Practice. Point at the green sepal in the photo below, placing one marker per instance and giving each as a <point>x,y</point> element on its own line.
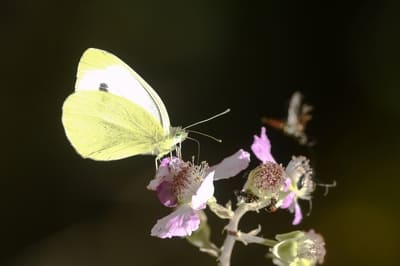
<point>285,250</point>
<point>219,210</point>
<point>291,235</point>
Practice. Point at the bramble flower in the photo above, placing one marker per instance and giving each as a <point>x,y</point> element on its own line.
<point>271,181</point>
<point>267,179</point>
<point>299,185</point>
<point>188,187</point>
<point>299,248</point>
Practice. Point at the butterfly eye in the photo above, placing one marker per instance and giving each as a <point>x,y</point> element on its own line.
<point>103,87</point>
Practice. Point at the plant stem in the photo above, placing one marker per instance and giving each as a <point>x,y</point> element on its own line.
<point>252,239</point>
<point>232,229</point>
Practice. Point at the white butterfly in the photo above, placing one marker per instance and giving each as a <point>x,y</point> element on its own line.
<point>114,113</point>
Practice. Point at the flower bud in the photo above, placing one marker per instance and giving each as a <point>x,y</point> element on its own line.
<point>299,248</point>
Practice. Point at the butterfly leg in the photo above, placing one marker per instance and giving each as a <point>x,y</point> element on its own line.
<point>155,161</point>
<point>178,150</point>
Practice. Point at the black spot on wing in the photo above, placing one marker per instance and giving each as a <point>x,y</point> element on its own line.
<point>103,87</point>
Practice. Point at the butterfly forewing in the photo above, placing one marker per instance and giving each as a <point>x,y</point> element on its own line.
<point>101,70</point>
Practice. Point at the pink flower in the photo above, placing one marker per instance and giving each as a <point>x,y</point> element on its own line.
<point>188,187</point>
<point>293,184</point>
<point>266,180</point>
<point>299,184</point>
<point>184,220</point>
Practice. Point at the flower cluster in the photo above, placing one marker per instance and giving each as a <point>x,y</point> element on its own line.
<point>270,180</point>
<point>188,188</point>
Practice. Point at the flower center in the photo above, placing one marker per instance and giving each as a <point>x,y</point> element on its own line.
<point>268,177</point>
<point>188,179</point>
<point>180,180</point>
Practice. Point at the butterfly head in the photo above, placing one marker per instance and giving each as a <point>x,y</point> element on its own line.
<point>170,142</point>
<point>178,135</point>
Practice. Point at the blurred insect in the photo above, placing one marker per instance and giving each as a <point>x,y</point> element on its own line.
<point>271,207</point>
<point>297,119</point>
<point>246,196</point>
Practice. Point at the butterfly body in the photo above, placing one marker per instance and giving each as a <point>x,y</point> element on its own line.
<point>114,113</point>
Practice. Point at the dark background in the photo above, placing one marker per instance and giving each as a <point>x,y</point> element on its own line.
<point>201,57</point>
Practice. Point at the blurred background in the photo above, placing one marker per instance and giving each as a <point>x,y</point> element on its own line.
<point>201,57</point>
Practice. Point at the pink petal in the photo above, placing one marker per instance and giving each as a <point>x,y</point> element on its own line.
<point>261,147</point>
<point>154,183</point>
<point>164,172</point>
<point>204,192</point>
<point>232,165</point>
<point>166,195</point>
<point>298,216</point>
<point>165,161</point>
<point>182,222</point>
<point>288,182</point>
<point>289,200</point>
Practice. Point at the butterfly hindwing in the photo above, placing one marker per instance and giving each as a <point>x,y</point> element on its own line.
<point>104,126</point>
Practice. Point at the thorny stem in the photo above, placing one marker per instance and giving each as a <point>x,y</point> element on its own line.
<point>232,229</point>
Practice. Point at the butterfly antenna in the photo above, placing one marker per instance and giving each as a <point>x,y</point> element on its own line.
<point>156,163</point>
<point>208,119</point>
<point>204,134</point>
<point>198,147</point>
<point>178,150</point>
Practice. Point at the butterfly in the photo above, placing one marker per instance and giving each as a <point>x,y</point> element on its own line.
<point>114,113</point>
<point>297,119</point>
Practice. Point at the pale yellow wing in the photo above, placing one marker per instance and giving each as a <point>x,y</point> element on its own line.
<point>104,126</point>
<point>101,70</point>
